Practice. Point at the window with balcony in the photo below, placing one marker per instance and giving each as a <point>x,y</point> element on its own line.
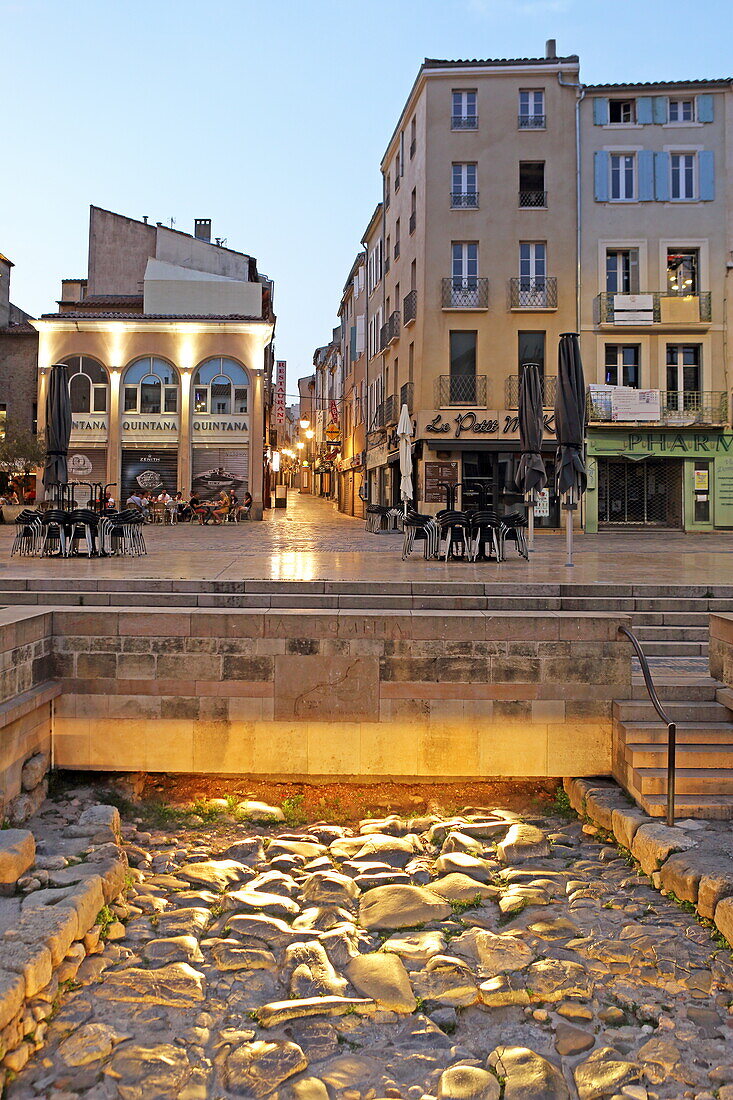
<point>532,273</point>
<point>531,349</point>
<point>621,111</point>
<point>464,193</point>
<point>683,177</point>
<point>681,110</point>
<point>622,270</point>
<point>532,191</point>
<point>462,378</point>
<point>683,265</point>
<point>464,284</point>
<point>683,369</point>
<point>622,167</point>
<point>622,365</point>
<point>463,113</point>
<point>532,109</point>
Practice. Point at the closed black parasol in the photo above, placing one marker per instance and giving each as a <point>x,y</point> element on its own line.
<point>531,474</point>
<point>58,429</point>
<point>570,428</point>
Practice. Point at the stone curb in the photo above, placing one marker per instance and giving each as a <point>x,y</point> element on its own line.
<point>56,931</point>
<point>677,861</point>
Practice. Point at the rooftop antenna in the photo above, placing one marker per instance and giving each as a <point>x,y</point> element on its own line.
<point>173,222</point>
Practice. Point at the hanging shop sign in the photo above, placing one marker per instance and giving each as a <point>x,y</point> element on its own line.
<point>475,424</point>
<point>89,427</point>
<point>437,475</point>
<point>682,444</point>
<point>218,429</point>
<point>376,456</point>
<point>280,372</point>
<point>153,427</point>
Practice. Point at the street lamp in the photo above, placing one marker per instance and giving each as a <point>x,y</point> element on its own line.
<point>309,434</point>
<point>305,423</point>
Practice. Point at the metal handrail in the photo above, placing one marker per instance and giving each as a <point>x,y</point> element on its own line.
<point>671,726</point>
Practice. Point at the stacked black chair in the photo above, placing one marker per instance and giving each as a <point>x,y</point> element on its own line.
<point>420,527</point>
<point>455,530</point>
<point>514,525</point>
<point>28,533</point>
<point>56,532</point>
<point>84,524</point>
<point>486,529</point>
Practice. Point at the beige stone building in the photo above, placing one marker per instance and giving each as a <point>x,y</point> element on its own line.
<point>168,340</point>
<point>351,462</point>
<point>655,257</point>
<point>18,359</point>
<point>472,271</point>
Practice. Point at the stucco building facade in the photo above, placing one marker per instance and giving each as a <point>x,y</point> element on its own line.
<point>18,359</point>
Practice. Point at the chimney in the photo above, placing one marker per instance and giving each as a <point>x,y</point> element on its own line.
<point>551,49</point>
<point>145,219</point>
<point>202,229</point>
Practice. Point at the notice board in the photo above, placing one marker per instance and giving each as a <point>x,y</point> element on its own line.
<point>435,472</point>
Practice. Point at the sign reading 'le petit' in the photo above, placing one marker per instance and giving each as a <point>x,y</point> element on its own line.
<point>472,424</point>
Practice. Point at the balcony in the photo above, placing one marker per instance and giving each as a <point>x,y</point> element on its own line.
<point>677,408</point>
<point>533,199</point>
<point>653,307</point>
<point>409,307</point>
<point>468,293</point>
<point>390,330</point>
<point>412,222</point>
<point>511,392</point>
<point>461,389</point>
<point>407,395</point>
<point>464,200</point>
<point>533,293</point>
<point>391,410</point>
<point>531,122</point>
<point>464,122</point>
<point>377,418</point>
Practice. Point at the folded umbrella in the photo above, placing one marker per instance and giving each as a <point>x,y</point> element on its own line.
<point>531,474</point>
<point>570,412</point>
<point>58,428</point>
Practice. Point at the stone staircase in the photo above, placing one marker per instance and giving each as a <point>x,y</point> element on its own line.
<point>703,711</point>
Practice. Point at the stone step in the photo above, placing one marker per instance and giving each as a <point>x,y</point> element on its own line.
<point>676,649</point>
<point>646,755</point>
<point>706,781</point>
<point>642,710</point>
<point>690,805</point>
<point>680,633</point>
<point>671,618</point>
<point>679,687</point>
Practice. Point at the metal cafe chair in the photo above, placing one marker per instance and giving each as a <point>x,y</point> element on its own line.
<point>28,534</point>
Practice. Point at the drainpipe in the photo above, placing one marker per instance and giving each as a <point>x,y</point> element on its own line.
<point>580,96</point>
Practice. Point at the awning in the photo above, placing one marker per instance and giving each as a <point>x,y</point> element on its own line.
<point>510,446</point>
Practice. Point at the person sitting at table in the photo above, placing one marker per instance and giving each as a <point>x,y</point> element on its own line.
<point>221,511</point>
<point>245,506</point>
<point>141,501</point>
<point>179,505</point>
<point>164,497</point>
<point>108,504</point>
<point>198,508</point>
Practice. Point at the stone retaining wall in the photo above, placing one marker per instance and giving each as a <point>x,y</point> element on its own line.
<point>688,862</point>
<point>26,694</point>
<point>349,693</point>
<point>721,648</point>
<point>55,928</point>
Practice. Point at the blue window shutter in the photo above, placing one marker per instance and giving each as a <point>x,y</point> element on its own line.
<point>661,177</point>
<point>706,161</point>
<point>644,109</point>
<point>601,176</point>
<point>661,109</point>
<point>704,108</point>
<point>646,175</point>
<point>600,111</point>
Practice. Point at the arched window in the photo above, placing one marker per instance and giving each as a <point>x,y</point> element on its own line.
<point>88,384</point>
<point>220,387</point>
<point>151,386</point>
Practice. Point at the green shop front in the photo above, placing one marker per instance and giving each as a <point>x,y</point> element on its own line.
<point>659,477</point>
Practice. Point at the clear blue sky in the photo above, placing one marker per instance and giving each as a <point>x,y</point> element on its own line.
<point>269,117</point>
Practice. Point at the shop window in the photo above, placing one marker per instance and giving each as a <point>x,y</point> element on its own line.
<point>622,365</point>
<point>150,387</point>
<point>221,387</point>
<point>88,384</point>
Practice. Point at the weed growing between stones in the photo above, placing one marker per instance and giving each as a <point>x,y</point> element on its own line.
<point>459,907</point>
<point>293,809</point>
<point>105,917</point>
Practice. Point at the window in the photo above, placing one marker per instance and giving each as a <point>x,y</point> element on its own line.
<point>464,263</point>
<point>463,186</point>
<point>3,419</point>
<point>374,266</point>
<point>622,365</point>
<point>375,326</point>
<point>683,371</point>
<point>531,349</point>
<point>220,387</point>
<point>683,176</point>
<point>151,387</point>
<point>622,271</point>
<point>397,173</point>
<point>397,239</point>
<point>532,183</point>
<point>464,116</point>
<point>463,368</point>
<point>681,110</point>
<point>532,109</point>
<point>623,176</point>
<point>621,111</point>
<point>532,265</point>
<point>88,385</point>
<point>413,210</point>
<point>413,137</point>
<point>386,191</point>
<point>683,265</point>
<point>410,361</point>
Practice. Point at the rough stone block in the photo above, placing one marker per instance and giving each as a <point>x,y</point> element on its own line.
<point>523,842</point>
<point>34,770</point>
<point>724,918</point>
<point>12,993</point>
<point>681,874</point>
<point>600,802</point>
<point>33,961</point>
<point>17,853</point>
<point>653,844</point>
<point>624,824</point>
<point>53,926</point>
<point>715,884</point>
<point>102,817</point>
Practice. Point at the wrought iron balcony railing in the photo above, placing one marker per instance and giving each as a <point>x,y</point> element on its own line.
<point>461,389</point>
<point>464,122</point>
<point>533,198</point>
<point>539,292</point>
<point>390,330</point>
<point>531,122</point>
<point>469,293</point>
<point>407,394</point>
<point>409,307</point>
<point>511,392</point>
<point>464,200</point>
<point>684,408</point>
<point>653,307</point>
<point>391,410</point>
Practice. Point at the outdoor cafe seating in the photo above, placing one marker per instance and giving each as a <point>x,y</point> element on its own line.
<point>66,533</point>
